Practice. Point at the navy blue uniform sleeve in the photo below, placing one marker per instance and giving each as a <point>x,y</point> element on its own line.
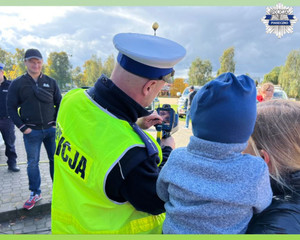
<point>13,104</point>
<point>166,151</point>
<point>134,178</point>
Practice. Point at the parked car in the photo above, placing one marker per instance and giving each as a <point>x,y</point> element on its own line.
<point>155,104</point>
<point>181,110</point>
<point>279,94</point>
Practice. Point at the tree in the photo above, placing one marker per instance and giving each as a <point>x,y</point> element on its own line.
<point>12,74</point>
<point>178,86</point>
<point>272,76</point>
<point>6,58</point>
<point>227,61</point>
<point>92,70</point>
<point>200,72</point>
<point>59,68</point>
<point>109,65</point>
<point>77,77</point>
<point>289,77</point>
<point>18,59</point>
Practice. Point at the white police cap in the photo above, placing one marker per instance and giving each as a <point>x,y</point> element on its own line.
<point>147,55</point>
<point>2,65</point>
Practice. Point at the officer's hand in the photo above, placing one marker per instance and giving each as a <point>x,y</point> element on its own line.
<point>27,131</point>
<point>168,142</point>
<point>149,121</point>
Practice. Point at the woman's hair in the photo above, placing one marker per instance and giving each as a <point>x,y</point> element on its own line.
<point>265,86</point>
<point>277,131</point>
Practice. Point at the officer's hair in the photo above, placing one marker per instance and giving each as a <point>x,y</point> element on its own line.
<point>277,131</point>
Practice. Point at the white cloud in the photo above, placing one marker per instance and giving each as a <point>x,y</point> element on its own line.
<point>205,32</point>
<point>27,18</point>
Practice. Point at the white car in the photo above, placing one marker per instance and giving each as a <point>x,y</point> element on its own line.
<point>181,110</point>
<point>279,94</point>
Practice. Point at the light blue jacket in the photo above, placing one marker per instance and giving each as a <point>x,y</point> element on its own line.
<point>211,188</point>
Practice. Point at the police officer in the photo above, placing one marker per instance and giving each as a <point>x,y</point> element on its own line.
<point>106,166</point>
<point>7,127</point>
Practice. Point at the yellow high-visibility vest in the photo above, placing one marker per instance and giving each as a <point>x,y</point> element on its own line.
<point>89,142</point>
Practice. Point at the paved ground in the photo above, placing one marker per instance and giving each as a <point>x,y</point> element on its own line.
<point>14,190</point>
<point>37,224</point>
<point>168,100</point>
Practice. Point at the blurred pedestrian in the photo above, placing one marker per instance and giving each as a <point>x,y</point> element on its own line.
<point>7,127</point>
<point>38,98</point>
<point>188,105</point>
<point>266,92</point>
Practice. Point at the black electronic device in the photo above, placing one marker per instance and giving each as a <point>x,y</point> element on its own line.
<point>170,121</point>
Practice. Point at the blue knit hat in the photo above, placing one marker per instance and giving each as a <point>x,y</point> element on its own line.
<point>224,109</point>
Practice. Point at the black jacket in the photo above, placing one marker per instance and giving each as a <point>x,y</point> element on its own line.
<point>190,99</point>
<point>34,113</point>
<point>134,179</point>
<point>283,215</point>
<point>3,96</point>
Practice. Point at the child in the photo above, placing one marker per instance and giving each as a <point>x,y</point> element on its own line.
<point>210,187</point>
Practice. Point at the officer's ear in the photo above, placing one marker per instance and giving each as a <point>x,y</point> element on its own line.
<point>149,87</point>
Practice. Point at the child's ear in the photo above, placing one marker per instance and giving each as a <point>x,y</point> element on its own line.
<point>265,155</point>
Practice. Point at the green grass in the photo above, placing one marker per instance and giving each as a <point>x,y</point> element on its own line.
<point>175,106</point>
<point>182,119</point>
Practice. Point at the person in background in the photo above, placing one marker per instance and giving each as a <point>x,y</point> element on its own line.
<point>276,138</point>
<point>7,127</point>
<point>259,97</point>
<point>266,92</point>
<point>38,98</point>
<point>210,187</point>
<point>106,166</point>
<point>188,107</point>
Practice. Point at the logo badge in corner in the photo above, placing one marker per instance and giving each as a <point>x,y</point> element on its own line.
<point>279,20</point>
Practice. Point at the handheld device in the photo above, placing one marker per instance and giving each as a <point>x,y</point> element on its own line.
<point>169,124</point>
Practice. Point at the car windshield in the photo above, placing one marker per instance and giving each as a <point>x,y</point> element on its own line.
<point>186,92</point>
<point>280,94</point>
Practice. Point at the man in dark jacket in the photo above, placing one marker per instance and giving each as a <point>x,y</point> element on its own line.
<point>38,98</point>
<point>7,127</point>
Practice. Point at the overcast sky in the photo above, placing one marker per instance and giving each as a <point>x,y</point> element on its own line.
<point>204,31</point>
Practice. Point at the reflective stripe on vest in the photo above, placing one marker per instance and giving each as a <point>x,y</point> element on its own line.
<point>90,142</point>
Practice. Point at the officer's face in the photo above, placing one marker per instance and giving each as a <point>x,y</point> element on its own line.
<point>34,66</point>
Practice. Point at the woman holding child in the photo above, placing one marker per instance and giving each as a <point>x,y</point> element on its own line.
<point>276,138</point>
